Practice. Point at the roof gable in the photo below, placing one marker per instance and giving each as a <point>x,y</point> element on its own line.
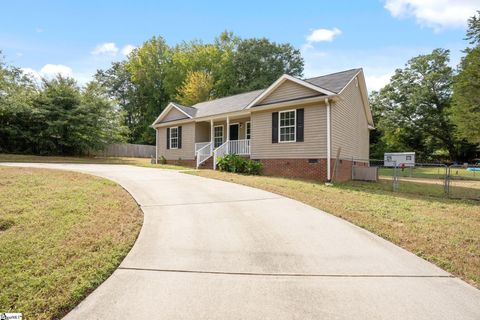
<point>289,90</point>
<point>313,89</point>
<point>174,110</point>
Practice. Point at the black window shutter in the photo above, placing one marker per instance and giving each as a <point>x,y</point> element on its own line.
<point>168,138</point>
<point>300,125</point>
<point>275,127</point>
<point>180,137</point>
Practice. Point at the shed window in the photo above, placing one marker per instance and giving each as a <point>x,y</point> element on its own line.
<point>409,158</point>
<point>287,126</point>
<point>174,138</point>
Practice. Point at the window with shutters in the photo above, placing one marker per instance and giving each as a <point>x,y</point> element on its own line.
<point>174,138</point>
<point>287,126</point>
<point>217,136</point>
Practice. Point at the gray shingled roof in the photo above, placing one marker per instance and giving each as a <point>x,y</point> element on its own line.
<point>226,104</point>
<point>334,82</point>
<point>188,110</point>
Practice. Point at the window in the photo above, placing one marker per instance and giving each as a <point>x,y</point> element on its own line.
<point>408,158</point>
<point>248,130</point>
<point>217,136</point>
<point>174,138</point>
<point>286,128</point>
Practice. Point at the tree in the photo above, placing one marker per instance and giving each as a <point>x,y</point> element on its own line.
<point>147,66</point>
<point>116,83</point>
<point>17,115</point>
<point>414,108</point>
<point>466,99</point>
<point>197,87</point>
<point>257,63</point>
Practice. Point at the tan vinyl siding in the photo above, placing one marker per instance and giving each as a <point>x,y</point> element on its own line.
<point>349,125</point>
<point>187,152</point>
<point>315,135</point>
<point>287,91</point>
<point>174,114</point>
<point>202,132</point>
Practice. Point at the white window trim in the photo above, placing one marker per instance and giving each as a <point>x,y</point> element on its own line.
<point>294,126</point>
<point>246,132</point>
<point>223,134</point>
<point>170,137</point>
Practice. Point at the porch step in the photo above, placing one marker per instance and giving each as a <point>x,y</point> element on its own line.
<point>208,164</point>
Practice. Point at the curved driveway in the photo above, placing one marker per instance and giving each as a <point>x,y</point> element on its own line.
<point>215,250</point>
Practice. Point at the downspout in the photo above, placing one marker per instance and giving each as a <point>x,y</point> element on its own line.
<point>156,146</point>
<point>329,147</point>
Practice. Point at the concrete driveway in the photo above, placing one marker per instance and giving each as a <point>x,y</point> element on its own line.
<point>214,250</point>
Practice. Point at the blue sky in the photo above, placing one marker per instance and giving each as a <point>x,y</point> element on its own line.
<point>76,38</point>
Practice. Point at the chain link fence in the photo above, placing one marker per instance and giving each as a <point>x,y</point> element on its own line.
<point>429,179</point>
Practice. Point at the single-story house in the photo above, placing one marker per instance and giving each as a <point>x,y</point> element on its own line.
<point>295,127</point>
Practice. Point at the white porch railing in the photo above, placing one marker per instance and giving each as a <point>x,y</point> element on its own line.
<point>240,147</point>
<point>219,152</point>
<point>203,153</point>
<point>200,145</point>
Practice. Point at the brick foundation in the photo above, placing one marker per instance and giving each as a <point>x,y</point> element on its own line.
<point>309,169</point>
<point>312,169</point>
<point>343,171</point>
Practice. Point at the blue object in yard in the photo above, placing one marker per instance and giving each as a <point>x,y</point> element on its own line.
<point>473,169</point>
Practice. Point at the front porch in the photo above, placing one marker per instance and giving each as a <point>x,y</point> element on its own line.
<point>220,137</point>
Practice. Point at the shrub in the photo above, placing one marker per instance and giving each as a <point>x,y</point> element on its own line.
<point>235,163</point>
<point>162,160</point>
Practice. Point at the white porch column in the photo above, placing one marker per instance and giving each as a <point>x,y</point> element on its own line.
<point>329,141</point>
<point>211,135</point>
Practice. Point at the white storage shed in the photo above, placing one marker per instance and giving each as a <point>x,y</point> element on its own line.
<point>400,159</point>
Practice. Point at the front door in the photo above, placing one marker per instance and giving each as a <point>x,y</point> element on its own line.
<point>234,131</point>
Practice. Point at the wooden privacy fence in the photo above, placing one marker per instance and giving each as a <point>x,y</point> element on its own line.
<point>126,150</point>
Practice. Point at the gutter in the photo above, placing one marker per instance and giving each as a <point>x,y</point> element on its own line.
<point>329,147</point>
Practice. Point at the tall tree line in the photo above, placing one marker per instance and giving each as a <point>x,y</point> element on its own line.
<point>55,117</point>
<point>190,72</point>
<point>429,108</point>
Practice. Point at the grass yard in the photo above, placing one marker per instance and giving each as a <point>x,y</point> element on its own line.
<point>141,162</point>
<point>61,235</point>
<point>442,231</point>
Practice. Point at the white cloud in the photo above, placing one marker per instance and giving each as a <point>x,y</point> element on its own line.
<point>127,49</point>
<point>51,70</point>
<point>319,35</point>
<point>375,83</point>
<point>105,48</point>
<point>437,14</point>
<point>34,74</point>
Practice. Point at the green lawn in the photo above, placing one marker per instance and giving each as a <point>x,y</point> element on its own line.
<point>141,162</point>
<point>440,230</point>
<point>61,235</point>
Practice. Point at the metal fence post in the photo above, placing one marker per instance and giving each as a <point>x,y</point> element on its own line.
<point>447,181</point>
<point>395,178</point>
